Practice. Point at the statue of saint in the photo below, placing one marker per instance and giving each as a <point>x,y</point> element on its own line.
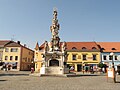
<point>64,46</point>
<point>46,46</point>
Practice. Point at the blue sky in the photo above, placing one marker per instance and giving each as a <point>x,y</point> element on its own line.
<point>29,21</point>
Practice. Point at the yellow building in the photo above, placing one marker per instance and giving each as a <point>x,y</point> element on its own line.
<point>80,54</point>
<point>2,45</point>
<point>38,57</point>
<point>83,55</point>
<point>17,56</point>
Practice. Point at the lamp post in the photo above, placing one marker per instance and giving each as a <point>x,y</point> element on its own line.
<point>114,77</point>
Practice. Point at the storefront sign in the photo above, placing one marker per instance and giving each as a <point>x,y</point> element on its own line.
<point>110,72</point>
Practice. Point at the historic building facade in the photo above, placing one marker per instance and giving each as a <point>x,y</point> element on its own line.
<point>17,57</point>
<point>38,57</point>
<point>2,45</point>
<point>79,55</point>
<point>82,55</point>
<point>106,57</point>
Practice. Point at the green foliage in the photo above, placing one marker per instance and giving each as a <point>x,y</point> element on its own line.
<point>101,65</point>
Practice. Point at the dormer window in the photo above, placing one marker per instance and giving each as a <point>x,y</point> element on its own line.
<point>84,48</point>
<point>113,49</point>
<point>102,49</point>
<point>74,48</point>
<point>93,47</point>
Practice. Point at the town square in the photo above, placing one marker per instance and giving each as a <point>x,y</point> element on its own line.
<point>22,81</point>
<point>44,46</point>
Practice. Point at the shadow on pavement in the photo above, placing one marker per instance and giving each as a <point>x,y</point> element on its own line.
<point>14,74</point>
<point>117,82</point>
<point>2,80</point>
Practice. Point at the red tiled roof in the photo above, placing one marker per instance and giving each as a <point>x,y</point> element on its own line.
<point>4,42</point>
<point>110,46</point>
<point>9,43</point>
<point>80,45</point>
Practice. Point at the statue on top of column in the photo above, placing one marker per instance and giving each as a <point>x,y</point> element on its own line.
<point>54,30</point>
<point>55,25</point>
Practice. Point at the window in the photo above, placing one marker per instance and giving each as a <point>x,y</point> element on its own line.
<point>94,57</point>
<point>74,48</point>
<point>110,57</point>
<point>102,48</point>
<point>36,65</point>
<point>84,57</point>
<point>113,49</point>
<point>6,49</point>
<point>11,57</point>
<point>28,59</point>
<point>73,57</point>
<point>14,49</point>
<point>16,57</point>
<point>116,57</point>
<point>83,48</point>
<point>93,47</point>
<point>104,57</point>
<point>6,57</point>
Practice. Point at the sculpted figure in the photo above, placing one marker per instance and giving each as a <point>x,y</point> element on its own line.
<point>64,46</point>
<point>46,46</point>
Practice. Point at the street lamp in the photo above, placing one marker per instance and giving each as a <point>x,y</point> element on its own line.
<point>114,77</point>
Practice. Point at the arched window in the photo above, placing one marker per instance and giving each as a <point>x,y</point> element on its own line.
<point>84,48</point>
<point>102,48</point>
<point>113,49</point>
<point>93,47</point>
<point>74,48</point>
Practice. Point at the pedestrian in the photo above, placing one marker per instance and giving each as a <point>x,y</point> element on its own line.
<point>32,70</point>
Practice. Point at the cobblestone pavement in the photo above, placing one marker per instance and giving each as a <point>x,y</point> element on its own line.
<point>22,81</point>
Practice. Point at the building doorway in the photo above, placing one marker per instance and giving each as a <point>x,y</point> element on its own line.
<point>54,62</point>
<point>79,67</point>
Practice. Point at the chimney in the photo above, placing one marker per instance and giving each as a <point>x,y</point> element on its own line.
<point>18,42</point>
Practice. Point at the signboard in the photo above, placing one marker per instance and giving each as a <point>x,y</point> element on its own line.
<point>110,72</point>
